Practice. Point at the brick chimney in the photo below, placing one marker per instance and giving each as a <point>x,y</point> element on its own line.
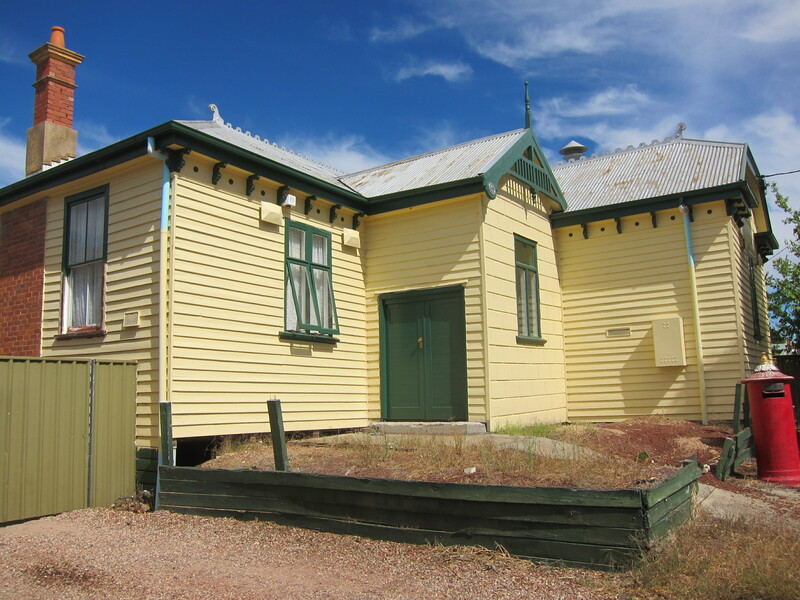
<point>52,138</point>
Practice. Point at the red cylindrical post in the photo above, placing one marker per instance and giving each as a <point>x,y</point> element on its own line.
<point>773,424</point>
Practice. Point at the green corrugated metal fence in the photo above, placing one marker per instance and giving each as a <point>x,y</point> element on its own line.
<point>67,432</point>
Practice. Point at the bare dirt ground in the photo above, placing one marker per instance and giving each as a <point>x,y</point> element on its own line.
<point>108,553</point>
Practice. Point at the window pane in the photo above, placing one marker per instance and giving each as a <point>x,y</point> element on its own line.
<point>291,308</point>
<point>322,286</point>
<point>319,249</point>
<point>76,252</point>
<point>522,313</point>
<point>533,307</point>
<point>297,243</point>
<point>524,253</point>
<point>302,290</point>
<point>95,221</point>
<point>85,285</point>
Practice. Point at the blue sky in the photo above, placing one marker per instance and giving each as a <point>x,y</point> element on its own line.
<point>357,83</point>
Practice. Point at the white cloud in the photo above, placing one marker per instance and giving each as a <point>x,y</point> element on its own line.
<point>610,101</point>
<point>198,107</point>
<point>451,72</point>
<point>522,31</point>
<point>614,117</point>
<point>12,156</point>
<point>771,136</point>
<point>777,21</point>
<point>347,153</point>
<point>403,30</point>
<point>435,138</point>
<point>92,136</point>
<point>7,53</point>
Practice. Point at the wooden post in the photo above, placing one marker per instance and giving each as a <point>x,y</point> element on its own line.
<point>737,409</point>
<point>165,450</point>
<point>165,454</point>
<point>278,436</point>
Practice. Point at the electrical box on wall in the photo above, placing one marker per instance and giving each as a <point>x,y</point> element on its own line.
<point>668,342</point>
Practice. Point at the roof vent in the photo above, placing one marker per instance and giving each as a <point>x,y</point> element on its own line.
<point>573,151</point>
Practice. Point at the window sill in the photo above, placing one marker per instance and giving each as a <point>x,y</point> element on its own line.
<point>80,334</point>
<point>308,337</point>
<point>531,341</point>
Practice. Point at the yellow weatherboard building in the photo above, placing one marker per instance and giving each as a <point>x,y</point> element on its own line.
<point>473,283</point>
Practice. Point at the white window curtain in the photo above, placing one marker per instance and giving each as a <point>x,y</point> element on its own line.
<point>84,303</point>
<point>85,265</point>
<point>522,325</point>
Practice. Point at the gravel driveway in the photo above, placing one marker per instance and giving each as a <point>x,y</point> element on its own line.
<point>106,553</point>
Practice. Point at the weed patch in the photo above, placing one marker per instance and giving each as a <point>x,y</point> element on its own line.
<point>545,430</point>
<point>724,560</point>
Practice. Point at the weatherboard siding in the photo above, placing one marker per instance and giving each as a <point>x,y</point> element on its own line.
<point>717,293</point>
<point>611,281</point>
<point>131,281</point>
<point>429,246</point>
<point>526,382</point>
<point>741,243</point>
<point>227,358</point>
<point>614,280</point>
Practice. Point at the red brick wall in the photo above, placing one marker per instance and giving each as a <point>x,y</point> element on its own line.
<point>22,279</point>
<point>55,92</point>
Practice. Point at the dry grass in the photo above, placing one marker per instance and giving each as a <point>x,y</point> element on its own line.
<point>705,559</point>
<point>723,560</point>
<point>468,459</point>
<point>231,444</point>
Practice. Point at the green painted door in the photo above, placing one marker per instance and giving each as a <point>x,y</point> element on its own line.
<point>424,356</point>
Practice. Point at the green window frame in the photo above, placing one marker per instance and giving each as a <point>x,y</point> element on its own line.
<point>527,287</point>
<point>84,258</point>
<point>309,303</point>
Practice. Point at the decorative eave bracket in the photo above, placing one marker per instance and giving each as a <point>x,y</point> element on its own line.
<point>175,161</point>
<point>251,185</point>
<point>309,204</point>
<point>216,172</point>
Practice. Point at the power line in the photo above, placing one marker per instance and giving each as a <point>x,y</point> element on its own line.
<point>785,173</point>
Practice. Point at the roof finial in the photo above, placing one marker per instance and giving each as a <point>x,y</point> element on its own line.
<point>527,108</point>
<point>215,116</point>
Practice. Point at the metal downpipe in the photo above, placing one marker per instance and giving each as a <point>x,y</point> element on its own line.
<point>698,338</point>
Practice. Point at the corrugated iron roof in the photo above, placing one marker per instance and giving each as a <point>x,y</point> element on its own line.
<point>674,166</point>
<point>455,163</point>
<point>225,132</point>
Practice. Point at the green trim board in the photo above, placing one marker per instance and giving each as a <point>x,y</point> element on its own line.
<point>171,134</point>
<point>599,529</point>
<point>426,195</point>
<point>533,169</point>
<point>317,338</point>
<point>174,135</point>
<point>236,156</point>
<point>737,191</point>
